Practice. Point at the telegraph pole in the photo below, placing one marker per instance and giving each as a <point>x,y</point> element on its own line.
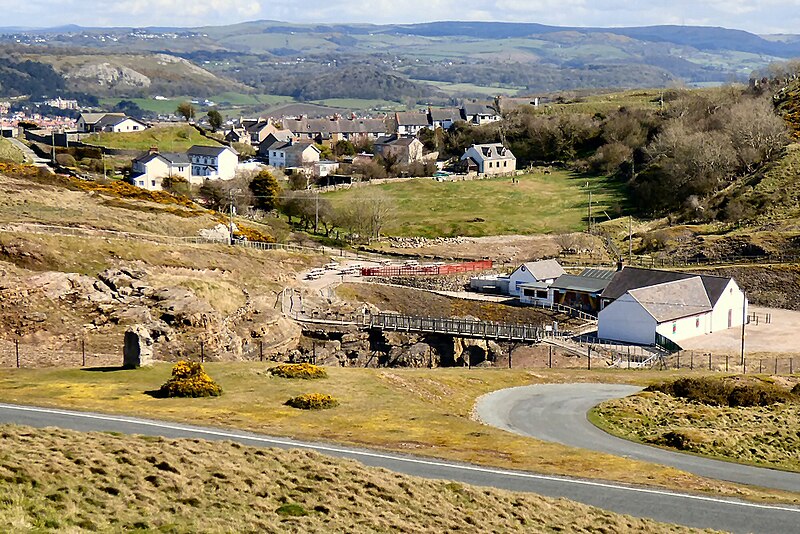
<point>230,218</point>
<point>316,210</point>
<point>744,321</point>
<point>630,238</point>
<point>589,224</point>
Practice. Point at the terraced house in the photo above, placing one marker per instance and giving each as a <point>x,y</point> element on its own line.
<point>212,162</point>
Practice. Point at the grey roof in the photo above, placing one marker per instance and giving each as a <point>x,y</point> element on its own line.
<point>394,140</point>
<point>534,285</point>
<point>412,118</point>
<point>544,269</point>
<point>636,277</point>
<point>94,118</point>
<point>298,148</point>
<point>494,151</point>
<point>298,109</point>
<point>478,109</point>
<point>113,120</point>
<point>335,126</point>
<point>606,274</point>
<point>170,157</point>
<point>202,150</point>
<point>584,284</point>
<point>673,300</point>
<point>447,114</point>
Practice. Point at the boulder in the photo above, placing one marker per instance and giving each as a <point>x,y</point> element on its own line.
<point>138,349</point>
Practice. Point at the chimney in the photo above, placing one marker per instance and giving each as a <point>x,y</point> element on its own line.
<point>153,150</point>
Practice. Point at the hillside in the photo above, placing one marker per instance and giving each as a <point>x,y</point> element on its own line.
<point>58,480</point>
<point>277,57</point>
<point>168,139</point>
<point>120,74</point>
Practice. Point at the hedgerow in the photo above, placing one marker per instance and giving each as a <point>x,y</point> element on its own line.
<point>298,370</point>
<point>312,401</point>
<point>189,379</point>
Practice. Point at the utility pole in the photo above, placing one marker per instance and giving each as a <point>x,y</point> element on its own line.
<point>316,210</point>
<point>589,222</point>
<point>630,238</point>
<point>230,218</point>
<point>53,143</point>
<point>744,320</point>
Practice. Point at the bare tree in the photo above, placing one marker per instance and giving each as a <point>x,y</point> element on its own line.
<point>756,131</point>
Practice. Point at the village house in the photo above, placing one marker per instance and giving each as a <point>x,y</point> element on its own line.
<point>404,150</point>
<point>212,162</point>
<point>479,113</point>
<point>108,122</point>
<point>443,118</point>
<point>273,140</point>
<point>543,272</point>
<point>489,159</point>
<point>295,155</point>
<point>409,123</point>
<point>643,306</point>
<point>251,131</point>
<point>331,130</point>
<point>149,170</point>
<point>581,291</point>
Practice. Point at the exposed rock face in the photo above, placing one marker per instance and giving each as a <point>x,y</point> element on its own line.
<point>220,232</point>
<point>109,75</point>
<point>138,349</point>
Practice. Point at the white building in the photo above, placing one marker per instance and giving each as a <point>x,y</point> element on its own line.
<point>676,306</point>
<point>212,162</point>
<point>148,171</point>
<point>542,271</point>
<point>294,155</point>
<point>489,159</point>
<point>108,122</point>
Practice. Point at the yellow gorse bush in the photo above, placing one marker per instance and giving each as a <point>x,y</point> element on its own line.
<point>312,401</point>
<point>298,370</point>
<point>189,379</point>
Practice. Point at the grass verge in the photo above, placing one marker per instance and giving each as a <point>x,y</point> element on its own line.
<point>58,480</point>
<point>414,411</point>
<point>167,139</point>
<point>764,436</point>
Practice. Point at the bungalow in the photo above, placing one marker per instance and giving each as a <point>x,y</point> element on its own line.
<point>443,118</point>
<point>149,170</point>
<point>489,159</point>
<point>409,123</point>
<point>405,150</point>
<point>479,113</point>
<point>108,122</point>
<point>642,304</point>
<point>212,162</point>
<point>542,271</point>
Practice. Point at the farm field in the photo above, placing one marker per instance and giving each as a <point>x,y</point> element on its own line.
<point>70,481</point>
<point>538,203</point>
<point>167,139</point>
<point>361,104</point>
<point>469,88</point>
<point>441,399</point>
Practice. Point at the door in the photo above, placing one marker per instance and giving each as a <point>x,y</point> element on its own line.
<point>730,318</point>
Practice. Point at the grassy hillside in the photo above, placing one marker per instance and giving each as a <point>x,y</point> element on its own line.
<point>9,152</point>
<point>538,203</point>
<point>167,139</point>
<point>58,480</point>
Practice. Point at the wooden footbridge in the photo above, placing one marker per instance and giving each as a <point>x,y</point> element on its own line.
<point>468,328</point>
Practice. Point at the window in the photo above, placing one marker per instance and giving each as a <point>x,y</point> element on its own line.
<point>152,183</point>
<point>541,294</point>
<point>674,327</point>
<point>697,323</point>
<point>141,183</point>
<point>505,164</point>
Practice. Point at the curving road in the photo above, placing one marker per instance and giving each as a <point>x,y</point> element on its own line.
<point>557,412</point>
<point>673,507</point>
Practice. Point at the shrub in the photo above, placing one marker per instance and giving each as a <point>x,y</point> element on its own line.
<point>796,389</point>
<point>65,160</point>
<point>291,510</point>
<point>298,370</point>
<point>719,392</point>
<point>189,379</point>
<point>312,401</point>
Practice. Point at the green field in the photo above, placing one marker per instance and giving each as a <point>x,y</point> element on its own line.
<point>538,203</point>
<point>461,88</point>
<point>168,139</point>
<point>359,103</point>
<point>9,152</point>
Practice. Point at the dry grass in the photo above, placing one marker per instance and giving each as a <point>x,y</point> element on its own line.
<point>419,411</point>
<point>57,480</point>
<point>763,436</point>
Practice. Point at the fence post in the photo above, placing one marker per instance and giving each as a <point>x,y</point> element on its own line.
<point>760,362</point>
<point>261,349</point>
<point>510,350</point>
<point>744,366</point>
<point>83,352</point>
<point>776,365</point>
<point>709,361</point>
<point>679,360</point>
<point>16,350</point>
<point>550,359</point>
<point>691,361</point>
<point>726,363</point>
<point>589,358</point>
<point>791,366</point>
<point>629,357</point>
<point>202,353</point>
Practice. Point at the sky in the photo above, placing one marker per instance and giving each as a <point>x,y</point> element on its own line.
<point>757,16</point>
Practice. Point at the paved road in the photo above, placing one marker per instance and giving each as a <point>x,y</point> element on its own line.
<point>673,507</point>
<point>557,412</point>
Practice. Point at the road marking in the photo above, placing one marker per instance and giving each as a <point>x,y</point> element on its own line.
<point>366,454</point>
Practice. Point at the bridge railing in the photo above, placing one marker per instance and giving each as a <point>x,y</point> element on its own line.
<point>453,326</point>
